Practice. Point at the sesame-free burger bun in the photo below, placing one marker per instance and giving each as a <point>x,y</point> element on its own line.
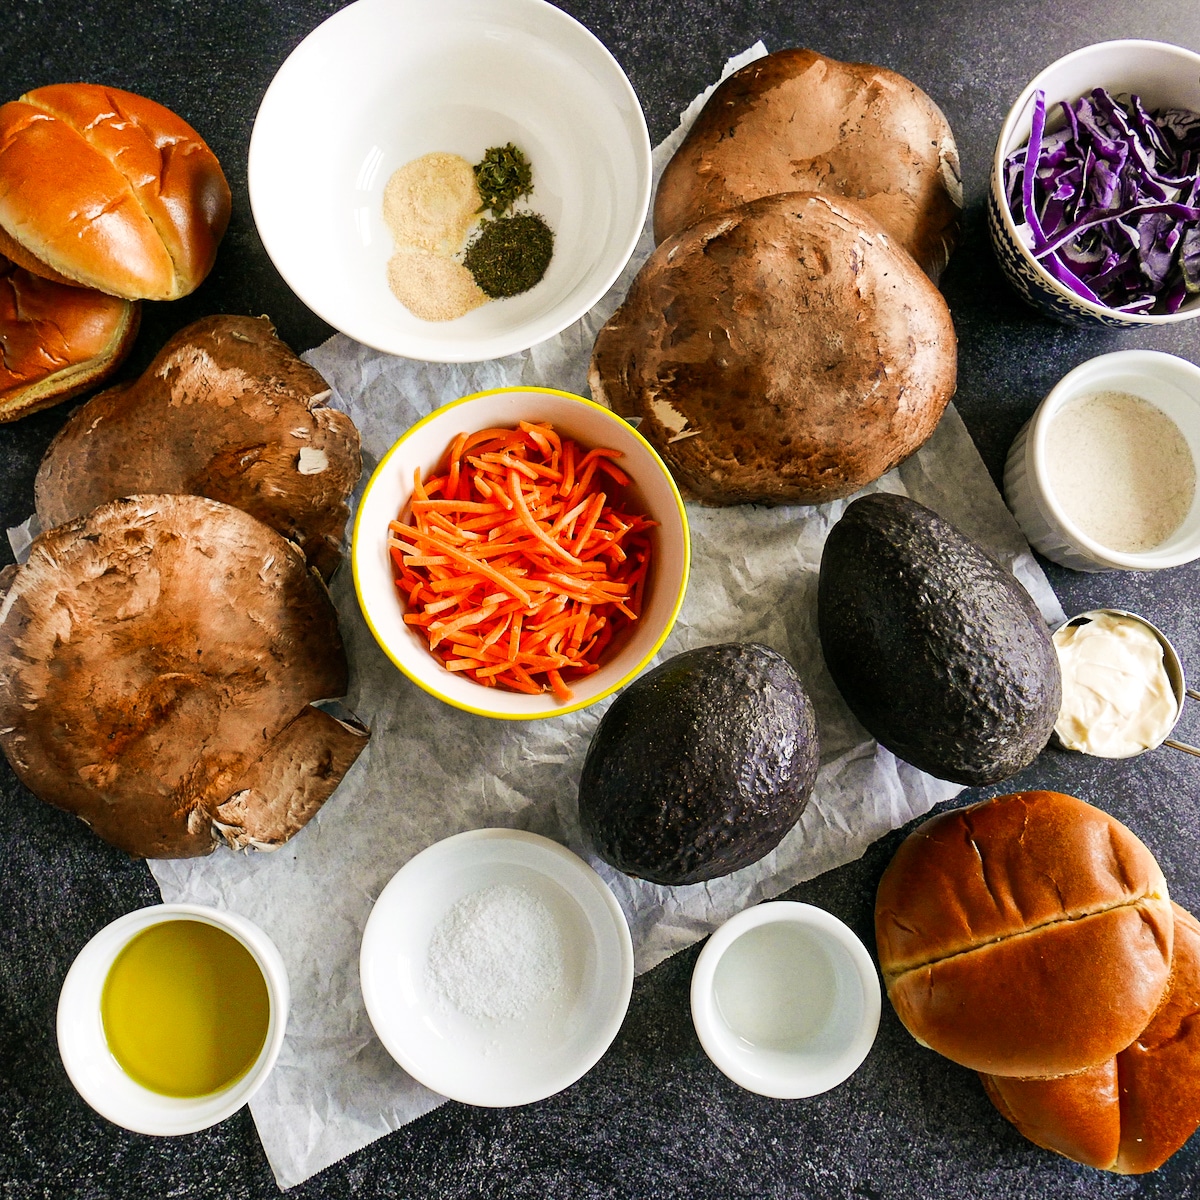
<point>108,190</point>
<point>57,341</point>
<point>1132,1112</point>
<point>1029,935</point>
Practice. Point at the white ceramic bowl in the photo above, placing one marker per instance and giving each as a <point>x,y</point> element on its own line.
<point>1172,385</point>
<point>98,1076</point>
<point>1165,76</point>
<point>384,81</point>
<point>785,1000</point>
<point>497,1062</point>
<point>652,491</point>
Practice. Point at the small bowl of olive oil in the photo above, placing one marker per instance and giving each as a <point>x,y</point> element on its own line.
<point>172,1017</point>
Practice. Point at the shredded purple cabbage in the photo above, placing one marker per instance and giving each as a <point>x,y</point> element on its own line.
<point>1110,203</point>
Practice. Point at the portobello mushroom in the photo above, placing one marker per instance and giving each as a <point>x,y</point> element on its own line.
<point>784,352</point>
<point>227,411</point>
<point>159,660</point>
<point>798,121</point>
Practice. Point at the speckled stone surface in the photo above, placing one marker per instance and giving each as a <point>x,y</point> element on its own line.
<point>653,1119</point>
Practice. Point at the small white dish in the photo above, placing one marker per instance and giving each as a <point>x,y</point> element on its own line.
<point>1170,384</point>
<point>89,1062</point>
<point>785,1000</point>
<point>651,491</point>
<point>382,82</point>
<point>1164,76</point>
<point>496,1062</point>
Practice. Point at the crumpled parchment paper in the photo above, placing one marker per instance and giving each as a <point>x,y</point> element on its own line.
<point>431,770</point>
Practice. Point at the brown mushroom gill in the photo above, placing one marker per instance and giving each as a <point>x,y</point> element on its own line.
<point>159,662</point>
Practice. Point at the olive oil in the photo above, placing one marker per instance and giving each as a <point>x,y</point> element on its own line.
<point>185,1008</point>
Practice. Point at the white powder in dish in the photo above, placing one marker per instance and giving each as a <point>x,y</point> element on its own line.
<point>432,286</point>
<point>495,954</point>
<point>1121,469</point>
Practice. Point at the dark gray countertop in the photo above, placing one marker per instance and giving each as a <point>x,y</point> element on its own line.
<point>654,1118</point>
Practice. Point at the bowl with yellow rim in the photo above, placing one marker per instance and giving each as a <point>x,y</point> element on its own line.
<point>423,451</point>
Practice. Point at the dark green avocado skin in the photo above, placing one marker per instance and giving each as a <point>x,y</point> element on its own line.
<point>700,766</point>
<point>936,648</point>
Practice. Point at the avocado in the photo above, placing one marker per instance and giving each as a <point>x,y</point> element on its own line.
<point>935,647</point>
<point>700,766</point>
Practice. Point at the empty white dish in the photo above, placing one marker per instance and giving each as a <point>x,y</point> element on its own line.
<point>785,1000</point>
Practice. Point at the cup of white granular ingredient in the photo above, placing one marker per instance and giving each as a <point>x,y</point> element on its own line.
<point>1103,477</point>
<point>496,967</point>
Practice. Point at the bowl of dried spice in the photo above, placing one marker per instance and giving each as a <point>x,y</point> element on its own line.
<point>521,553</point>
<point>449,180</point>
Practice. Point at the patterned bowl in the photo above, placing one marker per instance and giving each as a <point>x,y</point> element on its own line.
<point>1165,76</point>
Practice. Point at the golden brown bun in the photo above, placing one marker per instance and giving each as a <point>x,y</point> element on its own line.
<point>57,341</point>
<point>1075,1115</point>
<point>1131,1113</point>
<point>798,121</point>
<point>750,346</point>
<point>109,190</point>
<point>1028,935</point>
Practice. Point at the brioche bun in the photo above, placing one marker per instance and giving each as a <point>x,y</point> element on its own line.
<point>58,341</point>
<point>1131,1113</point>
<point>1029,935</point>
<point>106,189</point>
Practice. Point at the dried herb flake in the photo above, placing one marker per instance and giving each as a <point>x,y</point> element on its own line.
<point>508,256</point>
<point>503,177</point>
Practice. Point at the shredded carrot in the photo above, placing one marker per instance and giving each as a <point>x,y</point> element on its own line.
<point>521,572</point>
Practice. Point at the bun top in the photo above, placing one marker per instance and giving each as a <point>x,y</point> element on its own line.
<point>1002,868</point>
<point>1029,935</point>
<point>110,191</point>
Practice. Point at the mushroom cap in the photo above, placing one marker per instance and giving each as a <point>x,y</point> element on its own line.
<point>797,121</point>
<point>783,352</point>
<point>225,410</point>
<point>158,663</point>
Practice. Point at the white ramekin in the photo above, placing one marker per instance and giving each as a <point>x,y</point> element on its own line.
<point>1172,385</point>
<point>98,1076</point>
<point>849,1001</point>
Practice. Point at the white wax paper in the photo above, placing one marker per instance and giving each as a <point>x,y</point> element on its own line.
<point>431,770</point>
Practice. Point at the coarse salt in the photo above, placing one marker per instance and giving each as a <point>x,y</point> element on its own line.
<point>495,954</point>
